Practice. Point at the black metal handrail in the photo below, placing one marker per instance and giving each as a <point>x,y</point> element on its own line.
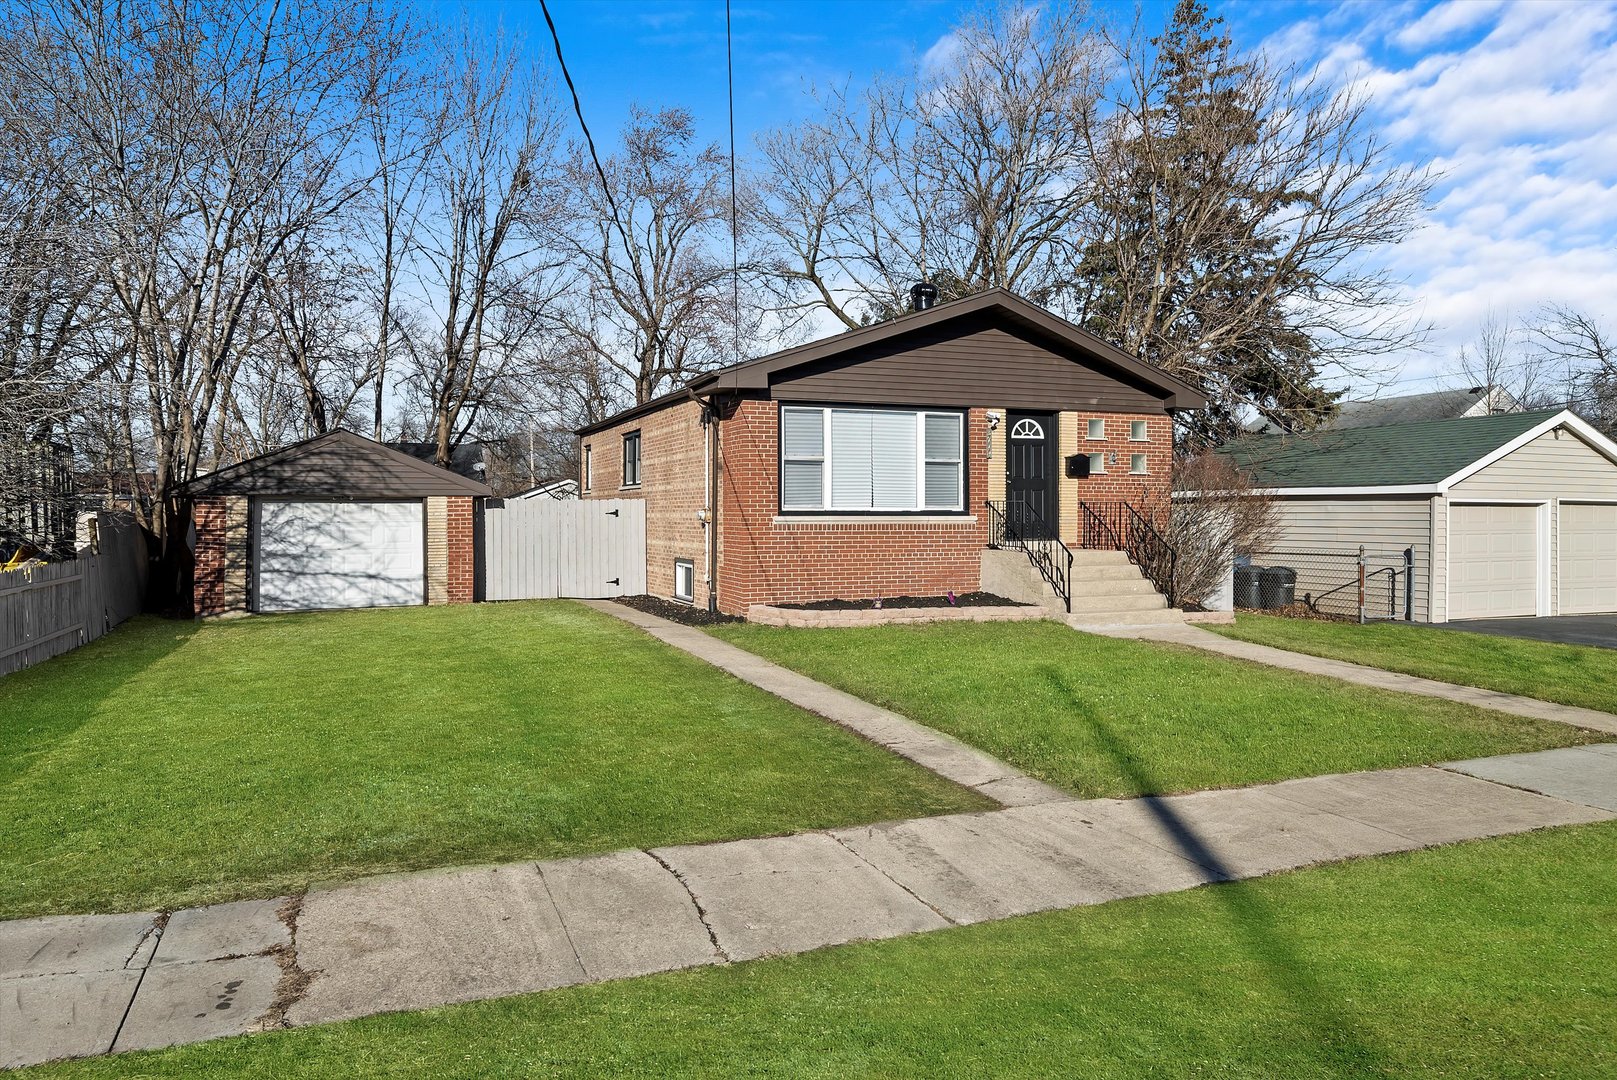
<point>1121,527</point>
<point>1020,526</point>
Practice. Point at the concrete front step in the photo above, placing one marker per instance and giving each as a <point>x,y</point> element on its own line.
<point>1116,585</point>
<point>1093,557</point>
<point>1147,601</point>
<point>1160,616</point>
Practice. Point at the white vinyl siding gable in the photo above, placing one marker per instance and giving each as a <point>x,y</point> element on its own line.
<point>871,460</point>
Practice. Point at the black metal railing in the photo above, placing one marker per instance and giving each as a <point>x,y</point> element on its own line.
<point>1018,525</point>
<point>1121,527</point>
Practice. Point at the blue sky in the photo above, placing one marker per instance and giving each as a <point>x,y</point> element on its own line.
<point>1515,103</point>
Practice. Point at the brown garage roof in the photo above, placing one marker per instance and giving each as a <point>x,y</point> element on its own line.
<point>337,465</point>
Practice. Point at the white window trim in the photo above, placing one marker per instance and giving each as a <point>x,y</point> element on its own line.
<point>690,565</point>
<point>1089,429</point>
<point>1097,462</point>
<point>1142,426</point>
<point>825,458</point>
<point>588,468</point>
<point>1145,465</point>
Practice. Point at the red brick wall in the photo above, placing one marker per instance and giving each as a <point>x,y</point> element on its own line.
<point>219,577</point>
<point>671,482</point>
<point>769,557</point>
<point>462,550</point>
<point>1148,493</point>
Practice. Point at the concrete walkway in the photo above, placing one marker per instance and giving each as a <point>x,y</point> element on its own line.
<point>83,985</point>
<point>1369,676</point>
<point>928,748</point>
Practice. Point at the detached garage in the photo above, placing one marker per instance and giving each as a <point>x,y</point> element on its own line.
<point>1508,515</point>
<point>338,521</point>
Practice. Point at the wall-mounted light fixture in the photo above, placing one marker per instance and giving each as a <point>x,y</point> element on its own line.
<point>993,426</point>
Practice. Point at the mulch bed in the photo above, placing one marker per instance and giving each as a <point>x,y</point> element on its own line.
<point>680,613</point>
<point>971,599</point>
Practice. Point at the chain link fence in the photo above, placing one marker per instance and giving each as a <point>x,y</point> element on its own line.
<point>1362,585</point>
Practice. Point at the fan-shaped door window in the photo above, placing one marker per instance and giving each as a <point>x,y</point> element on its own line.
<point>1027,429</point>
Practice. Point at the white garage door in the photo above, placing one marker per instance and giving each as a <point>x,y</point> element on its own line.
<point>1493,561</point>
<point>340,555</point>
<point>1588,558</point>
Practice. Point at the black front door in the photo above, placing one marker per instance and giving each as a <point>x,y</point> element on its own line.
<point>1030,474</point>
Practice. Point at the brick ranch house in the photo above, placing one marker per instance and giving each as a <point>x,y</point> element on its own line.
<point>336,521</point>
<point>873,463</point>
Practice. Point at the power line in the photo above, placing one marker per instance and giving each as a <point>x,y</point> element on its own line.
<point>735,243</point>
<point>578,110</point>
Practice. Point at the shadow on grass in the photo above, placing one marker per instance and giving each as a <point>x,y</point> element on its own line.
<point>1340,1044</point>
<point>44,704</point>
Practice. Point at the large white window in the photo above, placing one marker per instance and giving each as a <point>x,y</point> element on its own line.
<point>872,460</point>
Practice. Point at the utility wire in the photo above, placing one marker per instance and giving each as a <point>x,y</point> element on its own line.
<point>735,244</point>
<point>578,110</point>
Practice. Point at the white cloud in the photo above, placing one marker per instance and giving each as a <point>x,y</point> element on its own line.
<point>1515,104</point>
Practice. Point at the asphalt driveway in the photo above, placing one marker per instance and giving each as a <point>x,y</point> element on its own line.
<point>1598,630</point>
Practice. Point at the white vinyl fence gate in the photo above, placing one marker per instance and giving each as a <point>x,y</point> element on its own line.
<point>585,548</point>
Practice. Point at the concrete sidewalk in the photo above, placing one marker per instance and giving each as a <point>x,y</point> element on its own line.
<point>82,985</point>
<point>1532,708</point>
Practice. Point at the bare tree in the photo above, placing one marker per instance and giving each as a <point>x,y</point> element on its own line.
<point>654,303</point>
<point>1585,350</point>
<point>1499,360</point>
<point>1234,230</point>
<point>1216,514</point>
<point>485,276</point>
<point>970,171</point>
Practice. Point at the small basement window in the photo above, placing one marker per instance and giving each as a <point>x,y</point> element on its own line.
<point>631,459</point>
<point>684,580</point>
<point>1097,429</point>
<point>1137,431</point>
<point>1097,464</point>
<point>1137,464</point>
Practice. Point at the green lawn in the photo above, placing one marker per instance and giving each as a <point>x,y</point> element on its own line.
<point>1496,958</point>
<point>1107,717</point>
<point>1567,674</point>
<point>171,764</point>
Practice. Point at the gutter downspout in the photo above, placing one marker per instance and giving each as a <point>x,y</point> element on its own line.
<point>710,500</point>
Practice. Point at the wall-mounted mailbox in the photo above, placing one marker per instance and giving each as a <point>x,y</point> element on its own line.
<point>1077,466</point>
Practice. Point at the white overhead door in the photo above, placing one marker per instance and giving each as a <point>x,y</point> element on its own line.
<point>1493,561</point>
<point>340,555</point>
<point>1588,558</point>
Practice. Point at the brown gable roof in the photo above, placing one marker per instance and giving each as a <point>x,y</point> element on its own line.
<point>996,304</point>
<point>337,465</point>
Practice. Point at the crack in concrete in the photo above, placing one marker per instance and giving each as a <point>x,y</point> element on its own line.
<point>561,921</point>
<point>159,924</point>
<point>923,901</point>
<point>701,912</point>
<point>295,979</point>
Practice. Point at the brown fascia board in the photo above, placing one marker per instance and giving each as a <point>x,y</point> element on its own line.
<point>221,478</point>
<point>755,374</point>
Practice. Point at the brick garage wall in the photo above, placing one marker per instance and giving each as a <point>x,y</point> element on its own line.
<point>671,480</point>
<point>219,582</point>
<point>766,557</point>
<point>1148,493</point>
<point>451,550</point>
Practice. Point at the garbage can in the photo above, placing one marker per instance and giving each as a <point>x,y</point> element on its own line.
<point>1246,586</point>
<point>1277,587</point>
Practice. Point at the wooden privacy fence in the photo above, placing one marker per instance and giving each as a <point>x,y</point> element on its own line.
<point>587,548</point>
<point>55,607</point>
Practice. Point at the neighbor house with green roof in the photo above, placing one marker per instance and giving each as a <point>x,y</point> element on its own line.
<point>1513,514</point>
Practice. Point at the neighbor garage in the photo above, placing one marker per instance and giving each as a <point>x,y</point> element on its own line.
<point>338,521</point>
<point>1507,515</point>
